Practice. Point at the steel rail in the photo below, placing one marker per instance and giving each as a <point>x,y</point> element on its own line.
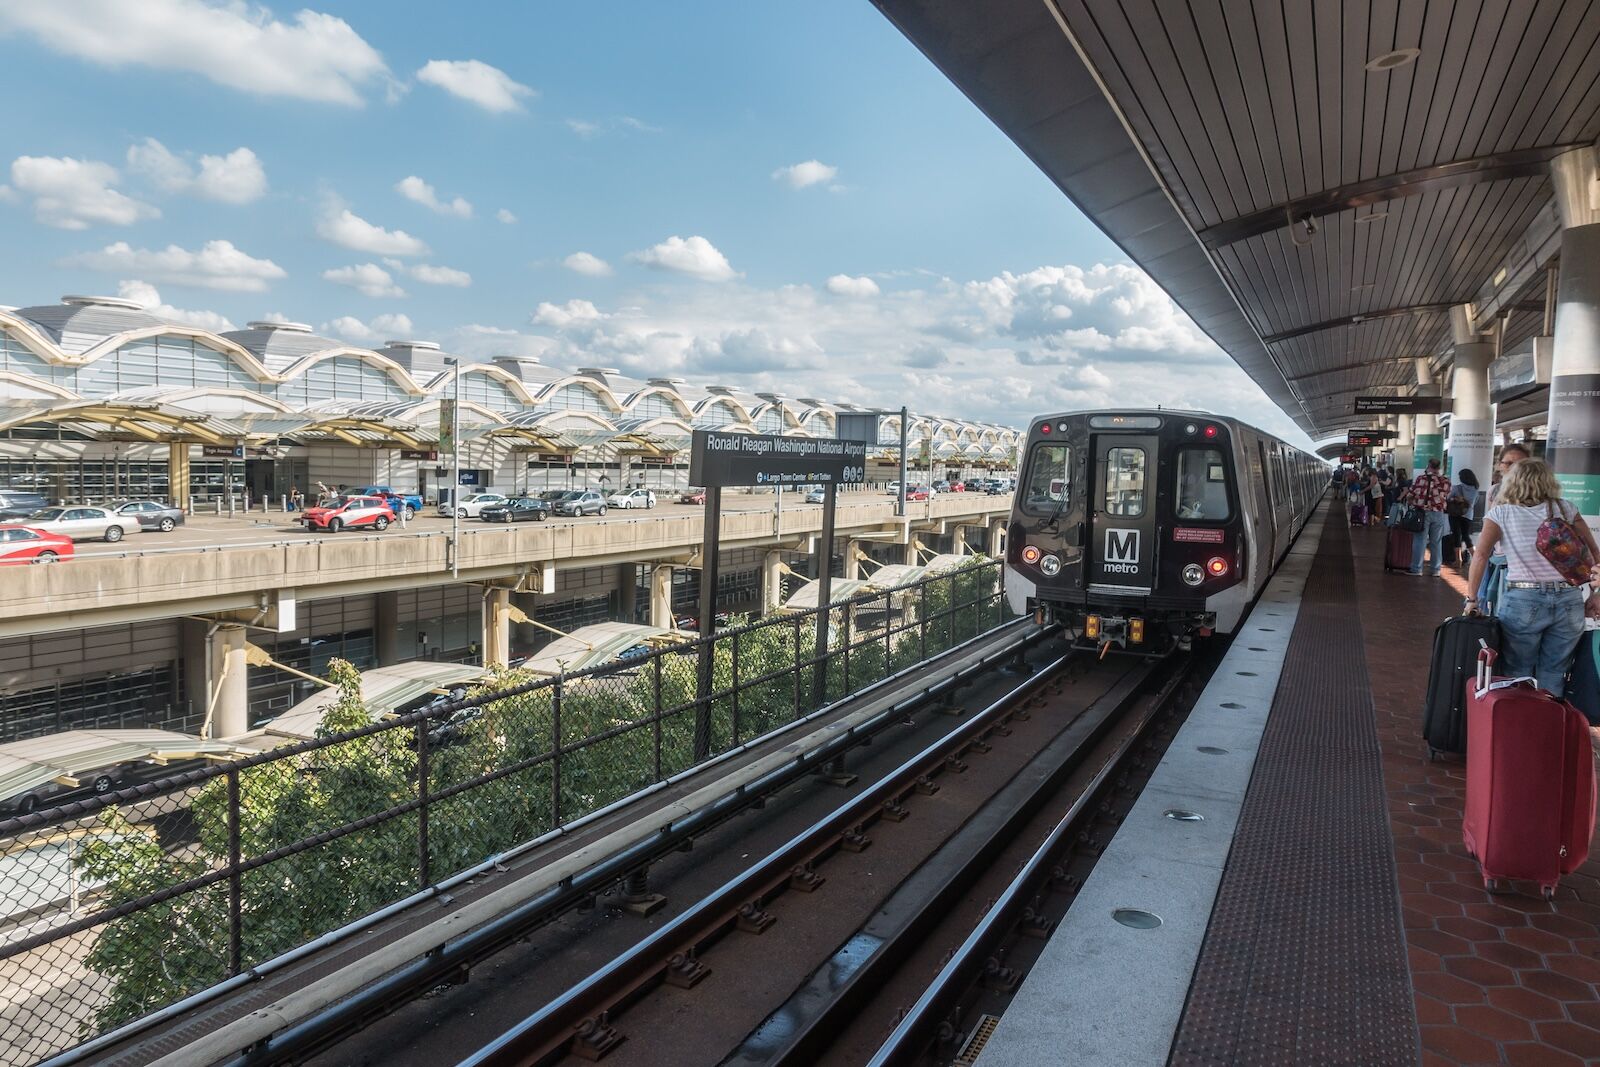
<point>915,1030</point>
<point>577,1012</point>
<point>451,957</point>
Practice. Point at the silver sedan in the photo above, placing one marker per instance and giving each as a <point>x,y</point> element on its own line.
<point>83,523</point>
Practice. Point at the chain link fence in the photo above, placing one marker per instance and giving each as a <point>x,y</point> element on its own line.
<point>124,904</point>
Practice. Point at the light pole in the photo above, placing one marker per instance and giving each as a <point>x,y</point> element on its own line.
<point>455,466</point>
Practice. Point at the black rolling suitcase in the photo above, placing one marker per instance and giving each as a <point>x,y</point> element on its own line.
<point>1454,664</point>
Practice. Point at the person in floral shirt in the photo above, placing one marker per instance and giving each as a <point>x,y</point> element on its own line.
<point>1428,493</point>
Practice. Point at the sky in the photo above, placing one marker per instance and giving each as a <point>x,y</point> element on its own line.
<point>783,198</point>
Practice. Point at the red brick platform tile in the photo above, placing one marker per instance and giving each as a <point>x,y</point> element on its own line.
<point>1494,1023</point>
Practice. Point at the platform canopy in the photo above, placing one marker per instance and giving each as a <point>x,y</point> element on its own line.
<point>1316,184</point>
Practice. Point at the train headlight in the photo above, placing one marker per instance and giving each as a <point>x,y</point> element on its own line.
<point>1050,565</point>
<point>1217,566</point>
<point>1030,554</point>
<point>1193,575</point>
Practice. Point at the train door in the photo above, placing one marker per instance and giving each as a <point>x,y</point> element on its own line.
<point>1122,531</point>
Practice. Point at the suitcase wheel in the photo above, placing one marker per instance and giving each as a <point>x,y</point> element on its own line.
<point>1496,886</point>
<point>1433,754</point>
<point>1548,892</point>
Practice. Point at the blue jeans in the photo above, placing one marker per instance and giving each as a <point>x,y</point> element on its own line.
<point>1432,538</point>
<point>1539,631</point>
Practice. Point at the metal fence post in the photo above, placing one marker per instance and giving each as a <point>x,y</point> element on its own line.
<point>235,879</point>
<point>424,790</point>
<point>888,614</point>
<point>655,685</point>
<point>844,627</point>
<point>922,622</point>
<point>555,754</point>
<point>736,688</point>
<point>797,711</point>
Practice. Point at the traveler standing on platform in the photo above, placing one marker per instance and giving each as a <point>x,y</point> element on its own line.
<point>1374,500</point>
<point>1540,612</point>
<point>1510,456</point>
<point>1463,498</point>
<point>1428,493</point>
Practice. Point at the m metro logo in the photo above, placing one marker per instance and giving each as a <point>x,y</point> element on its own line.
<point>1121,554</point>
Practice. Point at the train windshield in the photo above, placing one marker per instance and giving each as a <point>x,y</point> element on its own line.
<point>1124,482</point>
<point>1049,486</point>
<point>1202,489</point>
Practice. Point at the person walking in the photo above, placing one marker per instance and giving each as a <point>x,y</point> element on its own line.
<point>1428,493</point>
<point>1458,509</point>
<point>1541,613</point>
<point>1374,500</point>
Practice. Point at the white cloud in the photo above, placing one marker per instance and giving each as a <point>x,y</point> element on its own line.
<point>235,44</point>
<point>414,188</point>
<point>486,342</point>
<point>236,178</point>
<point>215,265</point>
<point>694,256</point>
<point>344,227</point>
<point>584,263</point>
<point>587,128</point>
<point>801,175</point>
<point>368,279</point>
<point>433,275</point>
<point>475,82</point>
<point>147,294</point>
<point>379,329</point>
<point>505,216</point>
<point>74,194</point>
<point>565,316</point>
<point>583,128</point>
<point>844,285</point>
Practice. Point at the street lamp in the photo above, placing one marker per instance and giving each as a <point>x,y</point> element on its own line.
<point>455,465</point>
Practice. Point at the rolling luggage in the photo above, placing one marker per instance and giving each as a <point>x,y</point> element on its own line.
<point>1583,679</point>
<point>1530,782</point>
<point>1454,664</point>
<point>1358,512</point>
<point>1397,552</point>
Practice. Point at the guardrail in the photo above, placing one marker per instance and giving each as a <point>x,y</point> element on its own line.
<point>183,883</point>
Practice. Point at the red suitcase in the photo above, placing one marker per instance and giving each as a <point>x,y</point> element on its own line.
<point>1530,782</point>
<point>1397,552</point>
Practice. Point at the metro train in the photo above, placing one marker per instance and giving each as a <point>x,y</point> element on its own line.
<point>1143,529</point>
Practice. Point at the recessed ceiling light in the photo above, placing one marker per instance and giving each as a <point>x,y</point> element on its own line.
<point>1500,276</point>
<point>1372,216</point>
<point>1390,60</point>
<point>1363,285</point>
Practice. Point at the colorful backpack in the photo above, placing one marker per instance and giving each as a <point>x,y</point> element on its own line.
<point>1560,543</point>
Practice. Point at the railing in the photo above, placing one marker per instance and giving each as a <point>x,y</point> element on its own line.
<point>127,903</point>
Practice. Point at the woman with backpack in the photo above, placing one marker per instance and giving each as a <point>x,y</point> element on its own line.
<point>1463,497</point>
<point>1550,554</point>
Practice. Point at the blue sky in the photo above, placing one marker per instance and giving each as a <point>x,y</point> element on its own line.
<point>914,256</point>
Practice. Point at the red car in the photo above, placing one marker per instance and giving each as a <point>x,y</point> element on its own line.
<point>917,492</point>
<point>692,496</point>
<point>23,544</point>
<point>351,512</point>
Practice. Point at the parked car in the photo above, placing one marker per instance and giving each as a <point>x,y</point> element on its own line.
<point>16,504</point>
<point>692,495</point>
<point>472,504</point>
<point>941,486</point>
<point>83,523</point>
<point>152,515</point>
<point>516,509</point>
<point>816,495</point>
<point>24,544</point>
<point>632,498</point>
<point>352,512</point>
<point>894,488</point>
<point>92,782</point>
<point>957,487</point>
<point>918,492</point>
<point>581,502</point>
<point>407,504</point>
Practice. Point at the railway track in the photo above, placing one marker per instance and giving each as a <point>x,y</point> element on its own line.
<point>1083,721</point>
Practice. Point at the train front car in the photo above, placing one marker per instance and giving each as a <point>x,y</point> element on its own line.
<point>1129,529</point>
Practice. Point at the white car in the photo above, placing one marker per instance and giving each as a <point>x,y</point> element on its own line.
<point>82,523</point>
<point>473,503</point>
<point>632,498</point>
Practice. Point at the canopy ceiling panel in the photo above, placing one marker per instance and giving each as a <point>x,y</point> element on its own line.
<point>1315,217</point>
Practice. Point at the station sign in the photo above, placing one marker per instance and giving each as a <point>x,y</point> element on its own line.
<point>719,459</point>
<point>222,451</point>
<point>1399,405</point>
<point>419,453</point>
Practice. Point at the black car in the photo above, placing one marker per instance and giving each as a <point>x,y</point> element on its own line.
<point>517,509</point>
<point>19,505</point>
<point>151,515</point>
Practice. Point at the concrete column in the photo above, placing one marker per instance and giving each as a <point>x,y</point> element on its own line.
<point>523,635</point>
<point>627,590</point>
<point>912,555</point>
<point>1427,442</point>
<point>496,627</point>
<point>771,582</point>
<point>997,539</point>
<point>1573,444</point>
<point>230,686</point>
<point>1471,416</point>
<point>661,596</point>
<point>1403,444</point>
<point>386,628</point>
<point>853,554</point>
<point>196,658</point>
<point>178,473</point>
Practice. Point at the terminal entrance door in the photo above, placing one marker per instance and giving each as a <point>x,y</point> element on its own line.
<point>1122,530</point>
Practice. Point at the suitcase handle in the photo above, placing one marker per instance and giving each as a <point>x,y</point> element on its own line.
<point>1486,658</point>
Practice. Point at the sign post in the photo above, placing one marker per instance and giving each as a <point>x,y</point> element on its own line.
<point>738,459</point>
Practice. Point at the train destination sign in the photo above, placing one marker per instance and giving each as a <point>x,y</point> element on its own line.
<point>1399,405</point>
<point>719,459</point>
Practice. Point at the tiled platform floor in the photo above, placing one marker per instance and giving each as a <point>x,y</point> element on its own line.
<point>1497,980</point>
